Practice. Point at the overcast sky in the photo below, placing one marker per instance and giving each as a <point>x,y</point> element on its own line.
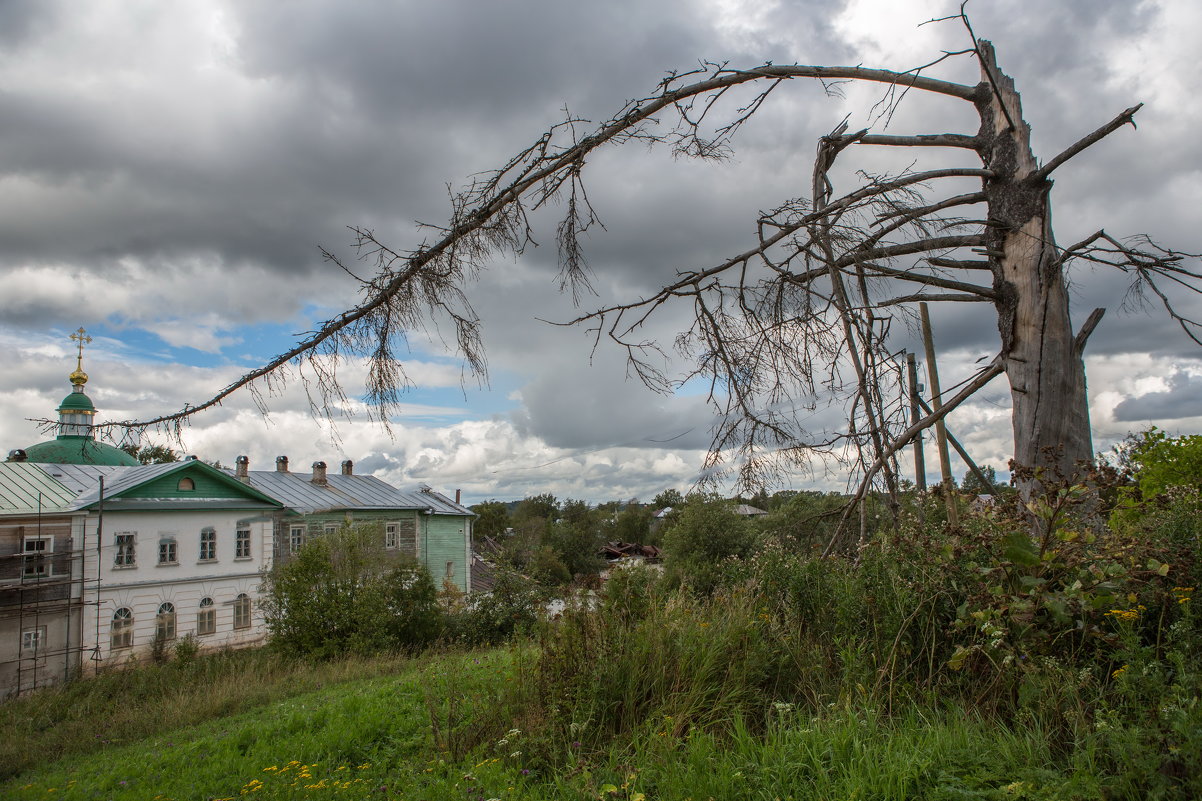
<point>168,172</point>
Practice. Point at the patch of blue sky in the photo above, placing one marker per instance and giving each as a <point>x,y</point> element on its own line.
<point>444,404</point>
<point>697,385</point>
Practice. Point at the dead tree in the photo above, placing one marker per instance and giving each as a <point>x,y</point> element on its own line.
<point>803,313</point>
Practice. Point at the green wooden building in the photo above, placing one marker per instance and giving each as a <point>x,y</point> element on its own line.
<point>432,528</point>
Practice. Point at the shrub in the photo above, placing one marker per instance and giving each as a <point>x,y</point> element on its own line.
<point>344,593</point>
<point>702,540</point>
<point>512,607</point>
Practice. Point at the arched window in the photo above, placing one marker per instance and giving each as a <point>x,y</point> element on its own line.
<point>121,633</point>
<point>186,485</point>
<point>164,622</point>
<point>206,618</point>
<point>242,611</point>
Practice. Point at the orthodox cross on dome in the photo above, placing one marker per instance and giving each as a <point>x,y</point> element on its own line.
<point>80,337</point>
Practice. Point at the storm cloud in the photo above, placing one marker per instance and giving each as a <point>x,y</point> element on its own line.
<point>168,174</point>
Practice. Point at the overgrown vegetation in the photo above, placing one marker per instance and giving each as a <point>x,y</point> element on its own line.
<point>344,593</point>
<point>987,662</point>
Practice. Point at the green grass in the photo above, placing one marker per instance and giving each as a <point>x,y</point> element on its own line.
<point>373,738</point>
<point>127,705</point>
<point>349,740</point>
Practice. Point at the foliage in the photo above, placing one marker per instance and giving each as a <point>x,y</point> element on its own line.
<point>547,568</point>
<point>700,540</point>
<point>974,486</point>
<point>511,608</point>
<point>576,542</point>
<point>537,507</point>
<point>344,593</point>
<point>805,520</point>
<point>151,454</point>
<point>492,519</point>
<point>1158,461</point>
<point>668,498</point>
<point>633,524</point>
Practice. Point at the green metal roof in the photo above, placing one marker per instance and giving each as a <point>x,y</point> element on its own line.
<point>78,450</point>
<point>77,401</point>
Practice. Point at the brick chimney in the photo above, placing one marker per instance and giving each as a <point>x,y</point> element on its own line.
<point>348,468</point>
<point>457,493</point>
<point>319,473</point>
<point>242,468</point>
<point>281,464</point>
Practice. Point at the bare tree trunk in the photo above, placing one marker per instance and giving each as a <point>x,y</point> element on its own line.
<point>1041,358</point>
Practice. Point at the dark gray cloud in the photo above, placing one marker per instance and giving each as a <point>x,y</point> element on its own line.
<point>182,167</point>
<point>1182,399</point>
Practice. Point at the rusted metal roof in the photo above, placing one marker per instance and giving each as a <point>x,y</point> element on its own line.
<point>26,489</point>
<point>621,550</point>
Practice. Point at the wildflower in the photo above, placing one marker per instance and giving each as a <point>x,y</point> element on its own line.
<point>1119,672</point>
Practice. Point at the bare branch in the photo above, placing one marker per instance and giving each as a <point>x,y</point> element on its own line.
<point>922,140</point>
<point>1127,116</point>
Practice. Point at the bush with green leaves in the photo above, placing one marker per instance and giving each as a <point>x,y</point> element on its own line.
<point>702,542</point>
<point>344,593</point>
<point>512,607</point>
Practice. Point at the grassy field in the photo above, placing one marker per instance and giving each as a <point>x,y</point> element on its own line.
<point>405,729</point>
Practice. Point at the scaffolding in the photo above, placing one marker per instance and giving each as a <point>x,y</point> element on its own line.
<point>43,600</point>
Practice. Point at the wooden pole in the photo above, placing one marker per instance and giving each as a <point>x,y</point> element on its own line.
<point>955,443</point>
<point>920,462</point>
<point>945,466</point>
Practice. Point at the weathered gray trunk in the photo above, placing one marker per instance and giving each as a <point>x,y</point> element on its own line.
<point>1041,358</point>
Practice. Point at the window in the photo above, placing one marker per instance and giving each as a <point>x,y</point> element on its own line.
<point>208,545</point>
<point>125,550</point>
<point>168,551</point>
<point>242,542</point>
<point>186,485</point>
<point>33,640</point>
<point>242,611</point>
<point>296,539</point>
<point>121,633</point>
<point>36,562</point>
<point>401,534</point>
<point>331,528</point>
<point>164,622</point>
<point>206,618</point>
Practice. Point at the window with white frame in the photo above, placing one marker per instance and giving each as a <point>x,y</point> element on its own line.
<point>168,551</point>
<point>125,555</point>
<point>208,544</point>
<point>37,560</point>
<point>164,622</point>
<point>391,535</point>
<point>331,528</point>
<point>242,541</point>
<point>206,618</point>
<point>121,632</point>
<point>242,611</point>
<point>33,640</point>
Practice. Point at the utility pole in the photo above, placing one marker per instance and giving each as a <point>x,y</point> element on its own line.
<point>953,516</point>
<point>920,462</point>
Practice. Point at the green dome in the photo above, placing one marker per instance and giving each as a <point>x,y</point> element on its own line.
<point>78,450</point>
<point>77,401</point>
